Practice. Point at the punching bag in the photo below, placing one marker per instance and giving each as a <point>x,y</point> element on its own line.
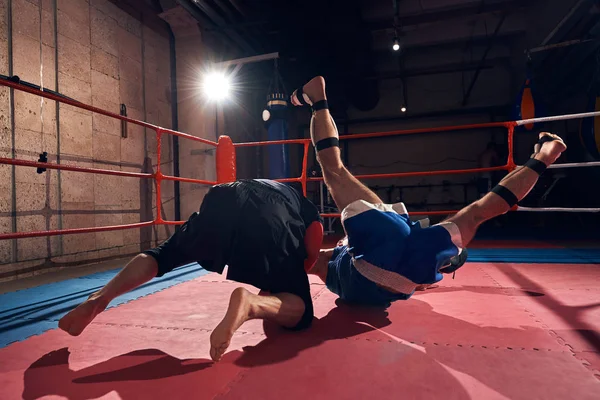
<point>275,117</point>
<point>590,127</point>
<point>528,105</point>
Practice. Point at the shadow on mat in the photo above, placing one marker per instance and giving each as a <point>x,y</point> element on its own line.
<point>326,352</point>
<point>331,359</point>
<point>481,290</point>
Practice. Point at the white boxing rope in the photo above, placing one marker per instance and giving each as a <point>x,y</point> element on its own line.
<point>558,118</point>
<point>557,209</point>
<point>573,165</point>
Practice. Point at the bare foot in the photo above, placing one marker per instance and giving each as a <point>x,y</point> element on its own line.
<point>76,320</point>
<point>314,89</point>
<point>549,152</point>
<point>237,313</point>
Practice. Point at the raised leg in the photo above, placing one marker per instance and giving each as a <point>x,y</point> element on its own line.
<point>519,183</point>
<point>137,272</point>
<point>284,309</point>
<point>342,185</point>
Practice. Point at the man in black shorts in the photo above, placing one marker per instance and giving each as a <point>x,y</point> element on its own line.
<point>258,228</point>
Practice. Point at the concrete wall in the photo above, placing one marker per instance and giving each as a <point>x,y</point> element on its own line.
<point>195,116</point>
<point>100,55</point>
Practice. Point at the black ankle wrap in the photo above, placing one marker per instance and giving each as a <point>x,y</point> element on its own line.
<point>327,143</point>
<point>320,105</point>
<point>508,196</point>
<point>536,165</point>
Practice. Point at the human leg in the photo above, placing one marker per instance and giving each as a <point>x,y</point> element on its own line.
<point>514,187</point>
<point>194,241</point>
<point>342,185</point>
<point>137,272</point>
<point>285,309</point>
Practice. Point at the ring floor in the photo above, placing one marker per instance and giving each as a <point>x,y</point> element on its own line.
<point>497,331</point>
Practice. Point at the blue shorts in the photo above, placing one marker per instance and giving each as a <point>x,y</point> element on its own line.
<point>395,253</point>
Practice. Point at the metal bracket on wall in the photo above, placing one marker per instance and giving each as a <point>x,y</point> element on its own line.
<point>123,123</point>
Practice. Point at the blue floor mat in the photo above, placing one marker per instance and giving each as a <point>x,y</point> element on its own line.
<point>33,311</point>
<point>536,256</point>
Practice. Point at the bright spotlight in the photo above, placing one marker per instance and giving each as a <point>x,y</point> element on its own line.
<point>217,86</point>
<point>396,45</point>
<point>403,109</point>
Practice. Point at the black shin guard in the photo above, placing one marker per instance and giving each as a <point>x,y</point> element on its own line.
<point>508,196</point>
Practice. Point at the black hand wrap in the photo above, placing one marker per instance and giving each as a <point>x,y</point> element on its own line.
<point>300,96</point>
<point>319,105</point>
<point>536,165</point>
<point>545,139</point>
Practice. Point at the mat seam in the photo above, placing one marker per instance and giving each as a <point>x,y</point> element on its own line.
<point>560,340</point>
<point>170,328</point>
<point>231,383</point>
<point>466,346</point>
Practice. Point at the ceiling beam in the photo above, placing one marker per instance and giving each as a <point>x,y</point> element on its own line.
<point>247,24</point>
<point>440,69</point>
<point>451,43</point>
<point>482,62</point>
<point>493,112</point>
<point>456,13</point>
<point>199,7</point>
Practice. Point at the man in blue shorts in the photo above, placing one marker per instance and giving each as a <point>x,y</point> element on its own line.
<point>386,256</point>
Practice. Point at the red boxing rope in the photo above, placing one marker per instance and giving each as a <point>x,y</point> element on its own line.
<point>157,175</point>
<point>226,162</point>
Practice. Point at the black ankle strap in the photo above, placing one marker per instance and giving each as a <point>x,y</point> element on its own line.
<point>508,196</point>
<point>536,165</point>
<point>320,105</point>
<point>327,143</point>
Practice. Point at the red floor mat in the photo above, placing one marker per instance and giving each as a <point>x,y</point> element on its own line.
<point>495,332</point>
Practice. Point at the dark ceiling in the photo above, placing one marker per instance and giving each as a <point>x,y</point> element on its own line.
<point>349,41</point>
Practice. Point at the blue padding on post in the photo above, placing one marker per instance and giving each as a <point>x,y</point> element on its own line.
<point>33,311</point>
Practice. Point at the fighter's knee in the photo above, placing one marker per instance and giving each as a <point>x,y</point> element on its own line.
<point>145,257</point>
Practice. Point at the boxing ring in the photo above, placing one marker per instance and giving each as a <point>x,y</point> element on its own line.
<point>500,330</point>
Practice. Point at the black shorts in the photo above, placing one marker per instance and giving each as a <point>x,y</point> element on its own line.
<point>254,230</point>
